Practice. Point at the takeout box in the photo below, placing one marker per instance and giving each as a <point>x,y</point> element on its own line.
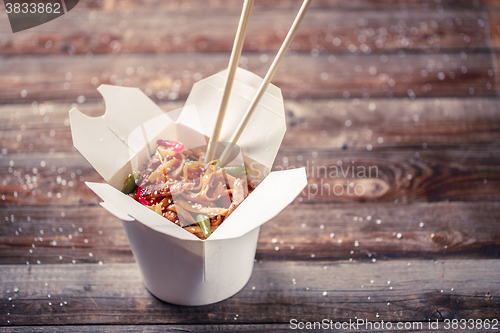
<point>177,267</point>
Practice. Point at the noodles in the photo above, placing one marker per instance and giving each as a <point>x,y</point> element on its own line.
<point>178,185</point>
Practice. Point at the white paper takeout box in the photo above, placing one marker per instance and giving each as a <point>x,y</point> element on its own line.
<point>176,266</point>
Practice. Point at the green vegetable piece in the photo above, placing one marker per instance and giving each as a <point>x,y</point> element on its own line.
<point>129,186</point>
<point>204,223</point>
<point>236,170</point>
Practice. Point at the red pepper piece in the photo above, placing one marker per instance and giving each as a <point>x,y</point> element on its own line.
<point>142,199</point>
<point>174,145</point>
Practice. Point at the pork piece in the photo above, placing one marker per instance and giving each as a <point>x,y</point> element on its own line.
<point>180,187</point>
<point>239,193</point>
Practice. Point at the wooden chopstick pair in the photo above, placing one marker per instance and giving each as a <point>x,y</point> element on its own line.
<point>233,65</point>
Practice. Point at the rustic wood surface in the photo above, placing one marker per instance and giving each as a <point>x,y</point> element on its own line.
<point>408,88</point>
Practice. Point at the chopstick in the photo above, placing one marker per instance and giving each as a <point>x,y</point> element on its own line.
<point>231,73</point>
<point>265,83</point>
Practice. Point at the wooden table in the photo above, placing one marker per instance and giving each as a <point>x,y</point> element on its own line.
<point>406,88</point>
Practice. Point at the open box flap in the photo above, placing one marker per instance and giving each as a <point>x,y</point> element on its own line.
<point>114,198</point>
<point>105,141</point>
<point>275,192</point>
<point>264,132</point>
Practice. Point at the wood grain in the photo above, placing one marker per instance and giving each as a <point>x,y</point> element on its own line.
<point>358,232</point>
<point>74,78</point>
<point>143,30</point>
<point>276,292</point>
<point>453,123</point>
<point>420,5</point>
<point>275,328</point>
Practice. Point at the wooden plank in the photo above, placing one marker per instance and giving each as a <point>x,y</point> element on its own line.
<point>275,328</point>
<point>402,177</point>
<point>285,4</point>
<point>372,176</point>
<point>453,123</point>
<point>405,124</point>
<point>152,328</point>
<point>358,232</point>
<point>170,77</point>
<point>276,293</point>
<point>494,27</point>
<point>155,28</point>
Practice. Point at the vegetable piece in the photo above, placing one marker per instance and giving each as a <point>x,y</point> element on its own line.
<point>174,145</point>
<point>141,197</point>
<point>235,170</point>
<point>130,185</point>
<point>204,223</point>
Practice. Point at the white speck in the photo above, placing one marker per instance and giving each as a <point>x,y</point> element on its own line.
<point>277,248</point>
<point>91,254</point>
<point>332,235</point>
<point>378,221</point>
<point>374,260</point>
<point>369,147</point>
<point>399,235</point>
<point>421,224</point>
<point>380,139</point>
<point>348,123</point>
<point>101,263</point>
<point>253,288</point>
<point>50,303</point>
<point>388,282</point>
<point>356,243</point>
<point>325,293</point>
<point>274,240</point>
<point>322,227</point>
<point>313,255</point>
<point>339,241</point>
